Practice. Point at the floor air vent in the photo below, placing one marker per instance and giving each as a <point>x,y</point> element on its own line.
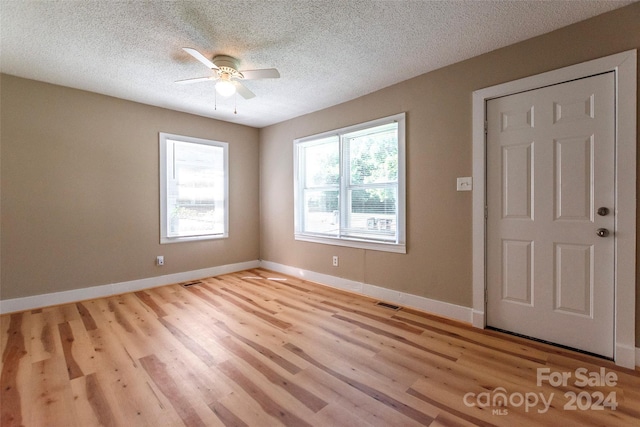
<point>192,283</point>
<point>387,305</point>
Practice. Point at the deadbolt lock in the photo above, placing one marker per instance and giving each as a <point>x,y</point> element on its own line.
<point>603,211</point>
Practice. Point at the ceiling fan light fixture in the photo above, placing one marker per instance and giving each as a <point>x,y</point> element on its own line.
<point>225,87</point>
<point>225,71</point>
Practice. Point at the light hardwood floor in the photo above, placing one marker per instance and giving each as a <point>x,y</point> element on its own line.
<point>257,348</point>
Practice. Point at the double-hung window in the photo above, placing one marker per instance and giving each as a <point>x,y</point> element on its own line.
<point>350,186</point>
<point>193,189</point>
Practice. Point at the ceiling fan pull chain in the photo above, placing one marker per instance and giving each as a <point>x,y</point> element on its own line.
<point>235,103</point>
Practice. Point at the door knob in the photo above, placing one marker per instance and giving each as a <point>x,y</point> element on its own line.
<point>603,211</point>
<point>602,232</point>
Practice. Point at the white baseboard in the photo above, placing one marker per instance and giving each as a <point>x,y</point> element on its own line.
<point>626,356</point>
<point>452,311</point>
<point>64,297</point>
<point>478,319</point>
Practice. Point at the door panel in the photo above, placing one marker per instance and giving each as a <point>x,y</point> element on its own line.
<point>573,281</point>
<point>573,169</point>
<point>516,276</point>
<point>517,181</point>
<point>550,158</point>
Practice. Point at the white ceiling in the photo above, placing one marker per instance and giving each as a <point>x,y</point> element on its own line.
<point>327,51</point>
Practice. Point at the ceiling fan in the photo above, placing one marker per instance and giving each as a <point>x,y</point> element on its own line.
<point>226,73</point>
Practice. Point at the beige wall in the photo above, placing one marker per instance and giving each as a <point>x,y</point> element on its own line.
<point>439,147</point>
<point>80,190</point>
<point>79,177</point>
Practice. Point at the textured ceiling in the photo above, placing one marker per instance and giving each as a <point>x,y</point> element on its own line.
<point>327,52</point>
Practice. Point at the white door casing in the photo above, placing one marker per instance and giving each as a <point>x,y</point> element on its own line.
<point>624,66</point>
<point>550,157</point>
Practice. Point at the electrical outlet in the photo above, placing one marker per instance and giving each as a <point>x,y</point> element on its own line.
<point>335,260</point>
<point>159,260</point>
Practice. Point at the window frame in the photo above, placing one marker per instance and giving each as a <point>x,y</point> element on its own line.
<point>399,245</point>
<point>163,140</point>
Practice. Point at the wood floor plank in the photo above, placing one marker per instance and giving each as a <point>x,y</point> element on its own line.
<point>450,409</point>
<point>463,336</point>
<point>51,395</point>
<point>338,415</point>
<point>504,366</point>
<point>346,399</point>
<point>5,322</point>
<point>158,372</point>
<point>164,295</point>
<point>204,383</point>
<point>227,417</point>
<point>259,348</point>
<point>446,419</point>
<point>126,384</point>
<point>133,325</point>
<point>13,353</point>
<point>91,405</point>
<point>258,301</point>
<point>276,280</point>
<point>393,336</point>
<point>364,388</point>
<point>87,320</point>
<point>260,313</point>
<point>280,289</point>
<point>196,337</point>
<point>61,313</point>
<point>248,411</point>
<point>196,300</point>
<point>386,320</point>
<point>42,342</point>
<point>189,343</point>
<point>289,385</point>
<point>329,332</point>
<point>250,327</point>
<point>269,405</point>
<point>66,336</point>
<point>353,352</point>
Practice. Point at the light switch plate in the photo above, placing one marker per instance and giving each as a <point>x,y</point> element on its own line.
<point>464,183</point>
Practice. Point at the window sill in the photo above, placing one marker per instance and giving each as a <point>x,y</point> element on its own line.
<point>400,248</point>
<point>164,240</point>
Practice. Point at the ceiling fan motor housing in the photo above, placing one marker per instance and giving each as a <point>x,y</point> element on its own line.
<point>227,65</point>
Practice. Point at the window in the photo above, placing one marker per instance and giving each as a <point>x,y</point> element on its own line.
<point>350,186</point>
<point>193,189</point>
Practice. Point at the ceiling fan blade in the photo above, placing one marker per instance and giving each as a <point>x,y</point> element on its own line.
<point>267,73</point>
<point>196,80</point>
<point>200,57</point>
<point>243,91</point>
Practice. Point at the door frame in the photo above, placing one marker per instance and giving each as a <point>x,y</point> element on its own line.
<point>624,65</point>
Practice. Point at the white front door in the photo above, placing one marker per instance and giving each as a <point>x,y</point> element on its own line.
<point>550,213</point>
